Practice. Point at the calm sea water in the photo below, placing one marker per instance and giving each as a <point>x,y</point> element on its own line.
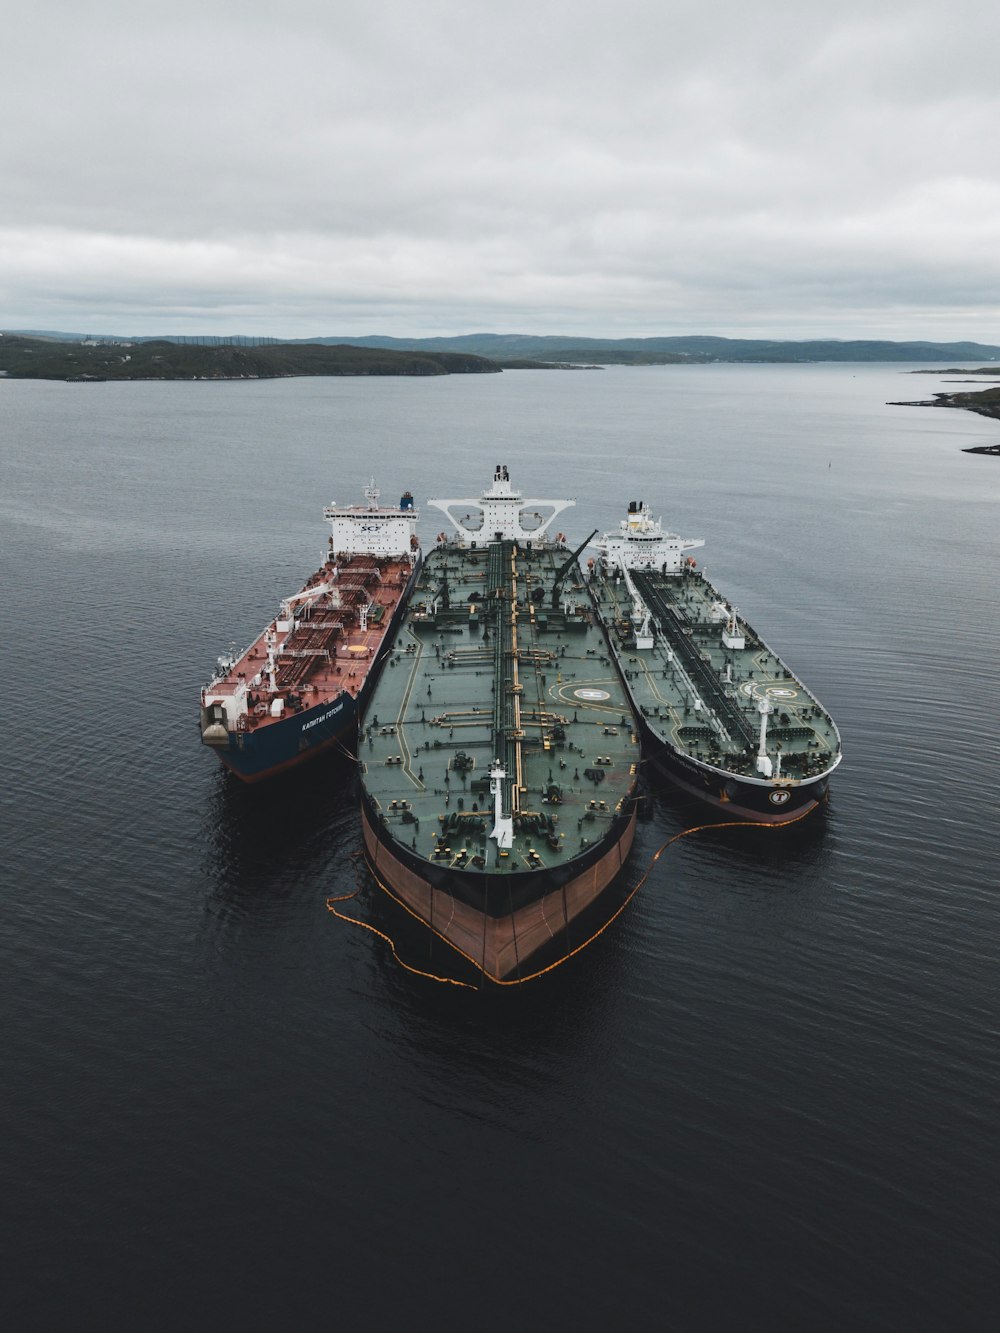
<point>767,1099</point>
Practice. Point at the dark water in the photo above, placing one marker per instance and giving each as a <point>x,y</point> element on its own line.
<point>766,1100</point>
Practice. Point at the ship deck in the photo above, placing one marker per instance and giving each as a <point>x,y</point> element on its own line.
<point>328,652</point>
<point>484,668</point>
<point>689,662</point>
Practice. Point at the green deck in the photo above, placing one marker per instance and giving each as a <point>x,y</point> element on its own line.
<point>485,667</point>
<point>725,731</point>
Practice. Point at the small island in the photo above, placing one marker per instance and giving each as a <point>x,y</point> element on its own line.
<point>985,402</point>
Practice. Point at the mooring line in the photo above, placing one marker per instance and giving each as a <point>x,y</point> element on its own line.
<point>533,976</point>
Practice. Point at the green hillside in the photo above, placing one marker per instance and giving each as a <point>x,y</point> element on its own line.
<point>684,349</point>
<point>40,358</point>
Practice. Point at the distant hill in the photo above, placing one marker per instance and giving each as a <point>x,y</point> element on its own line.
<point>665,351</point>
<point>39,358</point>
<point>509,348</point>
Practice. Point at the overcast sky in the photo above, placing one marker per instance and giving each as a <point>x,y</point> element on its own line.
<point>311,167</point>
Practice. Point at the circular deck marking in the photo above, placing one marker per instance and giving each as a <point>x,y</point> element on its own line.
<point>591,696</point>
<point>780,693</point>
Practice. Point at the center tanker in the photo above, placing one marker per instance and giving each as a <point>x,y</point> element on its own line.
<point>499,751</point>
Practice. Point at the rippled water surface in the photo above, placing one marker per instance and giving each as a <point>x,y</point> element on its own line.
<point>767,1099</point>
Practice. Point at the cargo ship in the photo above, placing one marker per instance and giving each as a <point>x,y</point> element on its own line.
<point>499,752</point>
<point>719,712</point>
<point>301,685</point>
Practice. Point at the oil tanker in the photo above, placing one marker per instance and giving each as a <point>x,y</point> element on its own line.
<point>719,712</point>
<point>301,685</point>
<point>498,750</point>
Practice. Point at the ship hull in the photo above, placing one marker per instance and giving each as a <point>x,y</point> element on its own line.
<point>499,773</point>
<point>720,714</point>
<point>502,923</point>
<point>738,798</point>
<point>254,755</point>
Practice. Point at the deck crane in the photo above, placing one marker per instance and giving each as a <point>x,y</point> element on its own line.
<point>566,566</point>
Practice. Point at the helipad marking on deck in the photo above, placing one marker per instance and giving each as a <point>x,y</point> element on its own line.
<point>752,690</point>
<point>592,696</point>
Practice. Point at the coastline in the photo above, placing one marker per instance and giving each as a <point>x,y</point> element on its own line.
<point>984,402</point>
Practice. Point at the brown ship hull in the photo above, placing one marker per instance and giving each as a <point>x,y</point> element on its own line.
<point>501,944</point>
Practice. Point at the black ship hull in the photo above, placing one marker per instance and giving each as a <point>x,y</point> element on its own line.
<point>255,755</point>
<point>720,714</point>
<point>762,803</point>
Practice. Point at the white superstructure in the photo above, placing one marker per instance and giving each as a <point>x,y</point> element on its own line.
<point>373,529</point>
<point>641,543</point>
<point>506,514</point>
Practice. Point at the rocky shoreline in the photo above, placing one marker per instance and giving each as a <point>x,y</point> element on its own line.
<point>985,402</point>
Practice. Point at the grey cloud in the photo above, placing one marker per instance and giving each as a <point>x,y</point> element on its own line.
<point>649,167</point>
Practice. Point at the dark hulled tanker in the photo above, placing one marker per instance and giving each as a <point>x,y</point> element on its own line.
<point>719,712</point>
